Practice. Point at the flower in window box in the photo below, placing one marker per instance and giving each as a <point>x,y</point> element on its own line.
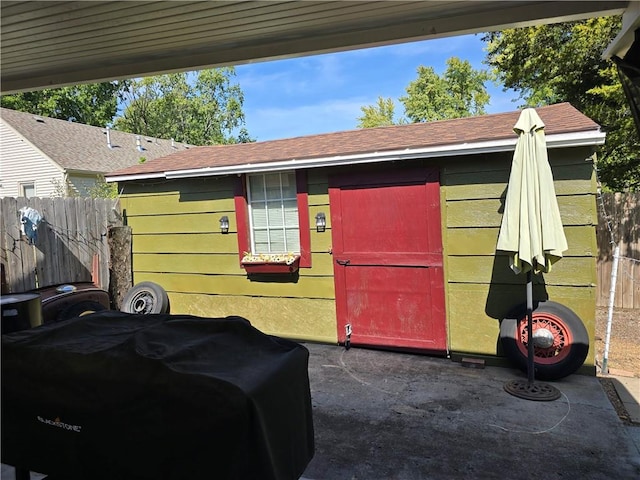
<point>270,262</point>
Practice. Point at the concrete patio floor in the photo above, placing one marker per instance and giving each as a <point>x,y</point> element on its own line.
<point>394,416</point>
<point>383,415</point>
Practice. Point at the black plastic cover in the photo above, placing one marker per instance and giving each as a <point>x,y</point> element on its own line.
<point>119,396</point>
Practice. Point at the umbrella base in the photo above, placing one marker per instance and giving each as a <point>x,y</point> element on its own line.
<point>541,392</point>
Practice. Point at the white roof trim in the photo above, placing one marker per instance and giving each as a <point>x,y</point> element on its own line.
<point>623,41</point>
<point>140,176</point>
<point>578,139</point>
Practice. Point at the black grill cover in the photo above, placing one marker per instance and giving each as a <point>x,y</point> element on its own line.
<point>119,396</point>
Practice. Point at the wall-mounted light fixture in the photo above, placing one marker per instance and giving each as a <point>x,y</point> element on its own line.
<point>321,222</point>
<point>224,224</point>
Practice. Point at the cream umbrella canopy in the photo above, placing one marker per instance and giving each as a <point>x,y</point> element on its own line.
<point>531,229</point>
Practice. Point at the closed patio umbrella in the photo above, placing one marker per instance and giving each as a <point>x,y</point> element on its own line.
<point>531,229</point>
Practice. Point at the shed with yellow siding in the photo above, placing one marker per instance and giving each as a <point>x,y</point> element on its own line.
<point>174,205</point>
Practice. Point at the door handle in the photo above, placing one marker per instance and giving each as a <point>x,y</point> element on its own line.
<point>344,263</point>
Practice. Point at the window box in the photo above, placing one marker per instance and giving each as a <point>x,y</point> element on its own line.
<point>271,263</point>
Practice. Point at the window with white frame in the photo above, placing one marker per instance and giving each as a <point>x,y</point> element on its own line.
<point>273,212</point>
<point>28,190</point>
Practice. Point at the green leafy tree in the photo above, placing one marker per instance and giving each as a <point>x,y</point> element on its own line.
<point>102,189</point>
<point>563,62</point>
<point>204,110</point>
<point>459,92</point>
<point>379,115</point>
<point>93,104</point>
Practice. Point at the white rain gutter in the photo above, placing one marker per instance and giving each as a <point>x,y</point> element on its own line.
<point>623,41</point>
<point>579,139</point>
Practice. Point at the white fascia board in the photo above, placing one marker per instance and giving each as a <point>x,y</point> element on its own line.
<point>139,176</point>
<point>564,140</point>
<point>623,41</point>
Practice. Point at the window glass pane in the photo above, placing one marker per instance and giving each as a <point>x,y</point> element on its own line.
<point>259,215</point>
<point>28,190</point>
<point>293,240</point>
<point>277,241</point>
<point>256,187</point>
<point>272,183</point>
<point>291,213</point>
<point>261,240</point>
<point>275,216</point>
<point>289,185</point>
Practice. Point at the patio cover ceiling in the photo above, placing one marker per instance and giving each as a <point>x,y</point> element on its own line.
<point>52,44</point>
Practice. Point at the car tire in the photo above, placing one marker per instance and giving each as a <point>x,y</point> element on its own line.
<point>562,345</point>
<point>145,298</point>
<point>79,309</point>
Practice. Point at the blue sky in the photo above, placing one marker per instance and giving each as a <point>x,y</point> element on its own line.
<point>324,93</point>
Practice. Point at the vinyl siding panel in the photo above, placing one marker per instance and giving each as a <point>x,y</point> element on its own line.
<point>20,162</point>
<point>81,184</point>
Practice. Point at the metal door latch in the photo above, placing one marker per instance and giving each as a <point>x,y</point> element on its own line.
<point>347,340</point>
<point>344,263</point>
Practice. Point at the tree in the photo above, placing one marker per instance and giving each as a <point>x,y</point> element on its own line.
<point>379,115</point>
<point>562,62</point>
<point>204,110</point>
<point>100,189</point>
<point>93,104</point>
<point>459,92</point>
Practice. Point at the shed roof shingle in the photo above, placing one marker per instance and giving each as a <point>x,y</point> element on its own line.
<point>79,147</point>
<point>559,118</point>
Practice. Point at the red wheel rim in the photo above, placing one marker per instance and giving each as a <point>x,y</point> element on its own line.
<point>561,333</point>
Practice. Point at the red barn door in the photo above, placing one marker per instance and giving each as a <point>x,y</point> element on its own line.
<point>387,255</point>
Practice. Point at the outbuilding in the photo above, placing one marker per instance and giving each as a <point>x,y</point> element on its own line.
<point>382,237</point>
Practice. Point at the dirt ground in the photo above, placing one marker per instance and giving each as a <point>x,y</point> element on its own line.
<point>624,352</point>
<point>624,344</point>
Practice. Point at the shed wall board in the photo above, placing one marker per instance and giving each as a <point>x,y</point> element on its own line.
<point>310,319</point>
<point>21,162</point>
<point>303,287</point>
<point>482,241</point>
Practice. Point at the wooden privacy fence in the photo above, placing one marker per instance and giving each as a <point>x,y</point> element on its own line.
<point>619,222</point>
<point>71,243</point>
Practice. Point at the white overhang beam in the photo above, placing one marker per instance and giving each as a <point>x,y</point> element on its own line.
<point>623,41</point>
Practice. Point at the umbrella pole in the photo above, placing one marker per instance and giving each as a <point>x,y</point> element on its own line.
<point>528,390</point>
<point>530,366</point>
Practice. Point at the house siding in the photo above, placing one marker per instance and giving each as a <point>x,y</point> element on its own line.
<point>80,184</point>
<point>177,243</point>
<point>21,163</point>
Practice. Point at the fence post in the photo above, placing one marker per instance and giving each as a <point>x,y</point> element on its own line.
<point>612,295</point>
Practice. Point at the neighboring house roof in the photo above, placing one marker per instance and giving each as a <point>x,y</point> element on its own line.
<point>565,126</point>
<point>78,147</point>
